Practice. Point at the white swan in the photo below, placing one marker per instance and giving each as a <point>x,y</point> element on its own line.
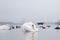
<point>29,26</point>
<point>4,27</point>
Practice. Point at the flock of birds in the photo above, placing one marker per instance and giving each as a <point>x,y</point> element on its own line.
<point>28,26</point>
<point>8,27</point>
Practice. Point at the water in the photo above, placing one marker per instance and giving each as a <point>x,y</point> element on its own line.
<point>42,34</point>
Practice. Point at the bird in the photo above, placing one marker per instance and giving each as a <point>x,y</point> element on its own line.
<point>29,27</point>
<point>58,27</point>
<point>4,27</point>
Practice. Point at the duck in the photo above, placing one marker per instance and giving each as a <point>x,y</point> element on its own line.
<point>58,27</point>
<point>29,27</point>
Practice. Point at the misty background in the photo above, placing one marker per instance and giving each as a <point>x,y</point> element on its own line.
<point>29,10</point>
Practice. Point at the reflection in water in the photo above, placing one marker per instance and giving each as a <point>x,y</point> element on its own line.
<point>31,35</point>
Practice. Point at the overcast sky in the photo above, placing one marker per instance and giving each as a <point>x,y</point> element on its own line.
<point>36,10</point>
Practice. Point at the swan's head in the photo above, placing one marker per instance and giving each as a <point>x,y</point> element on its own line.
<point>32,26</point>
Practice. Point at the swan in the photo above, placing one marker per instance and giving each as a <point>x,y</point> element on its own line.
<point>5,27</point>
<point>29,26</point>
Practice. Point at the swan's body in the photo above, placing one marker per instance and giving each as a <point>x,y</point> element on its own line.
<point>29,27</point>
<point>4,27</point>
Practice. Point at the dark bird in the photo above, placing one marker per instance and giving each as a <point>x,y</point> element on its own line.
<point>57,28</point>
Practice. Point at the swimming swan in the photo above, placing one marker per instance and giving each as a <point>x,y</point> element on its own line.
<point>4,27</point>
<point>29,26</point>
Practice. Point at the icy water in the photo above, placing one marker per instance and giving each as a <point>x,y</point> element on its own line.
<point>42,34</point>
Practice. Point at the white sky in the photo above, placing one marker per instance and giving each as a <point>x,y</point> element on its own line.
<point>30,10</point>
